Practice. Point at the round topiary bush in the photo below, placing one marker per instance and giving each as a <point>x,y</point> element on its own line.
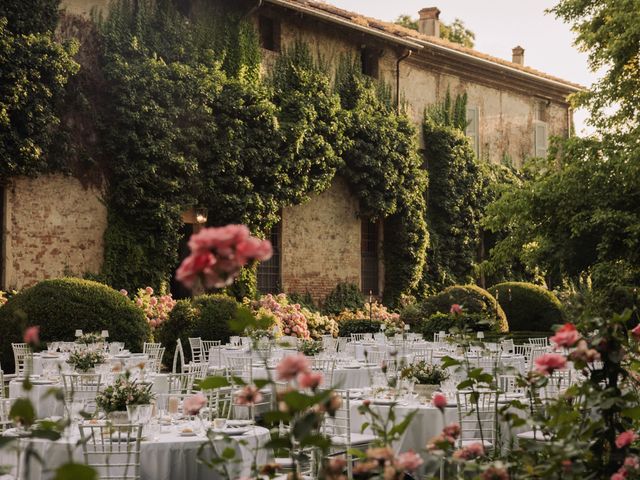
<point>474,301</point>
<point>345,296</point>
<point>63,305</point>
<point>528,306</point>
<point>206,316</point>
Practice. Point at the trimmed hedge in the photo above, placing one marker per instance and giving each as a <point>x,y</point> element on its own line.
<point>345,296</point>
<point>206,316</point>
<point>444,321</point>
<point>473,299</point>
<point>347,327</point>
<point>63,305</point>
<point>528,306</point>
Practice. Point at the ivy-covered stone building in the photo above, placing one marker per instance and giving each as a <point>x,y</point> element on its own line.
<point>54,225</point>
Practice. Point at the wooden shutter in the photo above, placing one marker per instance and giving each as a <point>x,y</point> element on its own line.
<point>473,128</point>
<point>540,139</point>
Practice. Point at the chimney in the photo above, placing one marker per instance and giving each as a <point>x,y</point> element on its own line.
<point>429,22</point>
<point>518,55</point>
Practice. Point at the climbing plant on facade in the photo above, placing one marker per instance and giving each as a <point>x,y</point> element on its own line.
<point>35,69</point>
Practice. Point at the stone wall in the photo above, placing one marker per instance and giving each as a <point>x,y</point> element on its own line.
<point>321,242</point>
<point>53,227</point>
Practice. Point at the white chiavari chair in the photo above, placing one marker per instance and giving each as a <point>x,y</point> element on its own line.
<point>240,366</point>
<point>326,366</point>
<point>362,337</point>
<point>339,430</point>
<point>81,387</point>
<point>178,358</point>
<point>22,356</point>
<point>220,402</point>
<point>477,417</point>
<point>197,354</point>
<point>199,370</point>
<point>539,341</point>
<point>5,409</point>
<point>423,355</point>
<point>155,352</point>
<point>207,346</point>
<point>113,453</point>
<point>507,346</point>
<point>329,344</point>
<point>181,383</point>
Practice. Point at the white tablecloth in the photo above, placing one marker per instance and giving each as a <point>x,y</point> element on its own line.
<point>343,378</point>
<point>170,457</point>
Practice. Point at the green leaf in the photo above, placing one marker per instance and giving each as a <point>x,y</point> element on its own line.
<point>22,410</point>
<point>75,471</point>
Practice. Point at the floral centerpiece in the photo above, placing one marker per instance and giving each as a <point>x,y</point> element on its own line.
<point>123,392</point>
<point>155,307</point>
<point>85,360</point>
<point>90,339</point>
<point>427,377</point>
<point>310,348</point>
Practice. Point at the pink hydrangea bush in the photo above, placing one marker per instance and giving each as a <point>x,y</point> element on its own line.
<point>290,318</point>
<point>155,307</point>
<point>378,312</point>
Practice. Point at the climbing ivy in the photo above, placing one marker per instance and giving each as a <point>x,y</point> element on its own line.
<point>35,69</point>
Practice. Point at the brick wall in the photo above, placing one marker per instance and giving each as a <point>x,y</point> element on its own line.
<point>53,226</point>
<point>321,242</point>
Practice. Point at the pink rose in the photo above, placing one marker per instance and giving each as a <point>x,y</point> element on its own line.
<point>456,309</point>
<point>408,461</point>
<point>452,430</point>
<point>153,301</point>
<point>249,395</point>
<point>495,473</point>
<point>636,332</point>
<point>439,400</point>
<point>254,248</point>
<point>566,336</point>
<point>149,290</point>
<point>193,266</point>
<point>218,238</point>
<point>631,463</point>
<point>292,365</point>
<point>470,452</point>
<point>310,379</point>
<point>124,292</point>
<point>549,362</point>
<point>618,476</point>
<point>193,404</point>
<point>32,335</point>
<point>625,438</point>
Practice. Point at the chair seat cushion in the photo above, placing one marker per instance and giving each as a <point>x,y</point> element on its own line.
<point>356,439</point>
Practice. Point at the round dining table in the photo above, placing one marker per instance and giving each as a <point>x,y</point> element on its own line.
<point>168,456</point>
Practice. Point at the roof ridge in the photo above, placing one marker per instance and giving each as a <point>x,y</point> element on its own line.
<point>410,34</point>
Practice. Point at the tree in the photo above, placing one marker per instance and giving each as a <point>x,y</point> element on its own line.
<point>456,32</point>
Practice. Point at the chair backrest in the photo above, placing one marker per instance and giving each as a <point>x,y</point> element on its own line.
<point>155,352</point>
<point>534,353</point>
<point>376,356</point>
<point>508,383</point>
<point>340,424</point>
<point>81,387</point>
<point>149,347</point>
<point>423,354</point>
<point>329,344</point>
<point>207,346</point>
<point>196,349</point>
<point>558,382</point>
<point>181,383</point>
<point>220,402</point>
<point>113,452</point>
<point>199,370</point>
<point>361,337</point>
<point>507,345</point>
<point>477,416</point>
<point>539,341</point>
<point>235,340</point>
<point>326,366</point>
<point>240,366</point>
<point>22,355</point>
<point>5,408</point>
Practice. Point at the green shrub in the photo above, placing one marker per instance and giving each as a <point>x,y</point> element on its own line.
<point>528,306</point>
<point>180,324</point>
<point>473,299</point>
<point>305,301</point>
<point>412,315</point>
<point>443,322</point>
<point>206,316</point>
<point>63,305</point>
<point>346,296</point>
<point>347,327</point>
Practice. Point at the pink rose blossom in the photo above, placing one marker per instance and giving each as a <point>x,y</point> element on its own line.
<point>456,309</point>
<point>495,473</point>
<point>625,438</point>
<point>546,364</point>
<point>32,335</point>
<point>292,365</point>
<point>193,265</point>
<point>254,248</point>
<point>310,379</point>
<point>149,290</point>
<point>193,404</point>
<point>124,292</point>
<point>566,336</point>
<point>636,332</point>
<point>408,461</point>
<point>452,430</point>
<point>219,238</point>
<point>439,400</point>
<point>618,476</point>
<point>249,395</point>
<point>470,452</point>
<point>632,463</point>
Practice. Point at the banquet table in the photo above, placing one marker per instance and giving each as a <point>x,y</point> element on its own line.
<point>48,406</point>
<point>344,377</point>
<point>169,456</point>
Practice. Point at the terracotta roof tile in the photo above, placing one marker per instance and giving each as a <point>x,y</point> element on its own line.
<point>409,34</point>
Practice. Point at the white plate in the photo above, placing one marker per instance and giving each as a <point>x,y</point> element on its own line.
<point>232,431</point>
<point>239,423</point>
<point>383,401</point>
<point>352,367</point>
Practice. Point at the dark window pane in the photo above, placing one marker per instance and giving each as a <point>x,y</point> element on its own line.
<point>369,58</point>
<point>269,33</point>
<point>269,271</point>
<point>369,257</point>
